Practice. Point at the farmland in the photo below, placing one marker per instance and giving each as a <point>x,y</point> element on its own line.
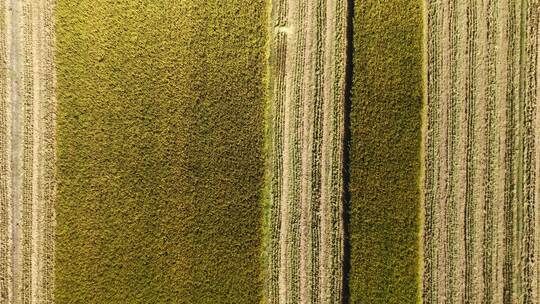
<point>27,157</point>
<point>269,151</point>
<point>304,238</point>
<point>160,151</point>
<point>481,190</point>
<point>384,151</point>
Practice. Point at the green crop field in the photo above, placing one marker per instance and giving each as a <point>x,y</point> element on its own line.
<point>160,151</point>
<point>384,151</point>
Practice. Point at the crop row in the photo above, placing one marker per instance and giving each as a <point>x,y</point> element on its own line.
<point>5,229</point>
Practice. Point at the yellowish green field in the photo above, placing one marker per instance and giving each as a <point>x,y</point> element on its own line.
<point>160,139</point>
<point>384,151</point>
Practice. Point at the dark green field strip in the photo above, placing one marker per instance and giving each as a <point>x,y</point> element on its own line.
<point>385,143</point>
<point>160,138</point>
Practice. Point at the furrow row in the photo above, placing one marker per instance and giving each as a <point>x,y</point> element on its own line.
<point>307,143</point>
<point>480,238</point>
<point>5,196</point>
<point>28,161</point>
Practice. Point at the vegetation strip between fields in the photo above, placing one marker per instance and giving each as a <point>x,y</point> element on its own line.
<point>385,149</point>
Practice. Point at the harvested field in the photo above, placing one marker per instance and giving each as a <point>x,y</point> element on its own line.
<point>304,237</point>
<point>481,239</point>
<point>160,151</point>
<point>27,155</point>
<point>385,152</point>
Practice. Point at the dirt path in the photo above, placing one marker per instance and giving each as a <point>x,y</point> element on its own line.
<point>5,180</point>
<point>15,72</point>
<point>28,129</point>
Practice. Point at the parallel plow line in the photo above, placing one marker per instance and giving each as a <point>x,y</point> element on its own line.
<point>27,161</point>
<point>305,242</point>
<point>485,197</point>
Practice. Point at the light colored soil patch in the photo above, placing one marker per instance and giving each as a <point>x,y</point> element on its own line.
<point>5,197</point>
<point>492,234</point>
<point>15,75</point>
<point>28,169</point>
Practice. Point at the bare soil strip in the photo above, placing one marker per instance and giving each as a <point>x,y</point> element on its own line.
<point>535,90</point>
<point>489,259</point>
<point>27,134</point>
<point>5,195</point>
<point>15,75</point>
<point>485,247</point>
<point>306,226</point>
<point>430,286</point>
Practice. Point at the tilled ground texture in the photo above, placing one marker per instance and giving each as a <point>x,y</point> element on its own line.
<point>304,234</point>
<point>481,234</point>
<point>27,157</point>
